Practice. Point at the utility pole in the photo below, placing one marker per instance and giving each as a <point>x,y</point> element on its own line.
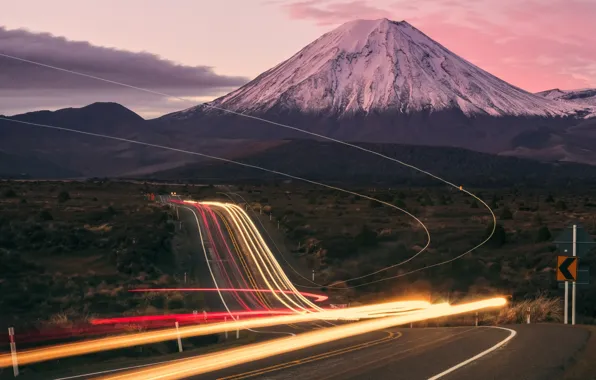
<point>574,282</point>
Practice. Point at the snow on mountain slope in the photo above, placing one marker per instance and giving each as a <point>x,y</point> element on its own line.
<point>376,66</point>
<point>552,94</point>
<point>584,98</point>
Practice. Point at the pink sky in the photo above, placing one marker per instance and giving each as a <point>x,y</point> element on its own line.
<point>535,45</point>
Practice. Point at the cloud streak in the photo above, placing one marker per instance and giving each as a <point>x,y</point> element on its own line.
<point>27,86</point>
<point>533,44</point>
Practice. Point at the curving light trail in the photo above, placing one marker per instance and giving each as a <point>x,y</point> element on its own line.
<point>260,253</point>
<point>136,339</point>
<point>235,356</point>
<point>317,297</point>
<point>354,146</point>
<point>211,316</point>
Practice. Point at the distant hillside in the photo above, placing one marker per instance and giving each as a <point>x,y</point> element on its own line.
<point>330,162</point>
<point>21,167</point>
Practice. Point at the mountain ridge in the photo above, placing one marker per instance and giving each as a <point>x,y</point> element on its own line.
<point>380,65</point>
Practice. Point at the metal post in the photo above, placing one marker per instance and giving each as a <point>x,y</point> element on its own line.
<point>13,352</point>
<point>313,274</point>
<point>226,324</point>
<point>179,340</point>
<point>573,288</point>
<point>528,318</point>
<point>566,307</point>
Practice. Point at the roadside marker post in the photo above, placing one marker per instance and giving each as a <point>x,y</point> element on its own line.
<point>13,352</point>
<point>238,329</point>
<point>226,324</point>
<point>528,317</point>
<point>179,339</point>
<point>313,274</point>
<point>476,319</point>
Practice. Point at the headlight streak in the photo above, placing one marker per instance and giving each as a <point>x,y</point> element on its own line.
<point>235,356</point>
<point>136,339</point>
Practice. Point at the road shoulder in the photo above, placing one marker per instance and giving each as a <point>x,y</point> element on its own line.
<point>583,364</point>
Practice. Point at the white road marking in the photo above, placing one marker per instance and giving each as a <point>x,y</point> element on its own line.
<point>512,334</point>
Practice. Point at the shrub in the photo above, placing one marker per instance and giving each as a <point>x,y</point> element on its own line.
<point>45,215</point>
<point>560,205</point>
<point>63,196</point>
<point>9,193</point>
<point>543,234</point>
<point>506,214</point>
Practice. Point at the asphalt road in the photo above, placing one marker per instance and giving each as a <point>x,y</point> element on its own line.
<point>538,352</point>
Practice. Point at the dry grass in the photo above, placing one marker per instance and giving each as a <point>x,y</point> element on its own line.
<point>542,309</point>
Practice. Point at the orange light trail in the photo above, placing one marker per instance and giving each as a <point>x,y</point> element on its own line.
<point>136,339</point>
<point>235,356</point>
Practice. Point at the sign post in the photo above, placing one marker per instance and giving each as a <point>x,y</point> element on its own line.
<point>573,290</point>
<point>566,271</point>
<point>578,242</point>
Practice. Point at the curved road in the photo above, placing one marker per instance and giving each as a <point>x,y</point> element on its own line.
<point>538,352</point>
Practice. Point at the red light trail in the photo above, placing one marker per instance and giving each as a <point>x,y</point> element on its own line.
<point>317,297</point>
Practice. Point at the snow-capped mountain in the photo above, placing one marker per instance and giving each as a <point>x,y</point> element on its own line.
<point>585,96</point>
<point>380,65</point>
<point>385,81</point>
<point>552,93</point>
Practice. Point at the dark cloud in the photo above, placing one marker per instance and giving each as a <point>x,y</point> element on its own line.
<point>27,86</point>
